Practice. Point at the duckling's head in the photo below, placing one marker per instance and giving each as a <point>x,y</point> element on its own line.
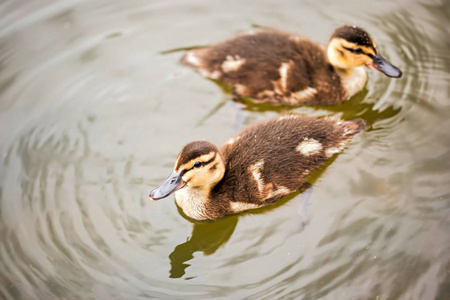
<point>199,165</point>
<point>351,46</point>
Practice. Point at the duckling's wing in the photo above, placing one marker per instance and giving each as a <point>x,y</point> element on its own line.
<point>268,161</point>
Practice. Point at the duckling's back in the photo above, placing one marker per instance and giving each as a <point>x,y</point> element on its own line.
<point>271,67</point>
<point>270,160</point>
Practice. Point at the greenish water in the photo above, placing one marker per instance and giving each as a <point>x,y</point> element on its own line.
<point>94,108</point>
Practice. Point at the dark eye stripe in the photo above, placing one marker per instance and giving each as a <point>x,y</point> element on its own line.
<point>203,163</point>
<point>358,51</point>
<point>213,167</point>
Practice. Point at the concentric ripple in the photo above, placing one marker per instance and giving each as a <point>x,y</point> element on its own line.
<point>94,109</point>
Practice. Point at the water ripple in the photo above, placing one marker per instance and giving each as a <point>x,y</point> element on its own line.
<point>92,115</point>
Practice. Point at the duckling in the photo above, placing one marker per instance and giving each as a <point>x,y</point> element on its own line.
<point>259,166</point>
<point>285,69</point>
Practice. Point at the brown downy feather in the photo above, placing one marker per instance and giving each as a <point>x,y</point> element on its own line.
<point>263,163</point>
<point>309,79</point>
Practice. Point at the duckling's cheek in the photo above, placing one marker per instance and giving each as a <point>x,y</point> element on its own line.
<point>186,178</point>
<point>199,178</point>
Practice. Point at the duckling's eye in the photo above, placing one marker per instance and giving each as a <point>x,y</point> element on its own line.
<point>197,164</point>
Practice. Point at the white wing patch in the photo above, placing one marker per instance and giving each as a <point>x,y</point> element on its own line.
<point>284,70</point>
<point>333,150</point>
<point>281,191</point>
<point>256,172</point>
<point>232,63</point>
<point>192,58</point>
<point>241,206</point>
<point>306,93</point>
<point>330,151</point>
<point>215,75</point>
<point>309,147</point>
<point>240,89</point>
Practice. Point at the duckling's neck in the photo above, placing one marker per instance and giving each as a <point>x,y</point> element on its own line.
<point>193,201</point>
<point>352,79</point>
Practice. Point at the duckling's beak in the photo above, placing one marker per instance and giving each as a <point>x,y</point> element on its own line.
<point>173,183</point>
<point>380,64</point>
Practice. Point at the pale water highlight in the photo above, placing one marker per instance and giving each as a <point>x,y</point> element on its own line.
<point>94,109</point>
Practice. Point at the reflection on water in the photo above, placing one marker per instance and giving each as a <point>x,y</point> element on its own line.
<point>93,112</point>
<point>205,237</point>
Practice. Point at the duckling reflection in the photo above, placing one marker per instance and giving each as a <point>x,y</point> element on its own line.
<point>274,67</point>
<point>370,112</point>
<point>205,237</point>
<point>209,236</point>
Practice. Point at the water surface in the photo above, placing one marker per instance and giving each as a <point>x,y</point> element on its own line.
<point>93,115</point>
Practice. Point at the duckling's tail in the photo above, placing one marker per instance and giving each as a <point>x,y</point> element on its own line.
<point>195,57</point>
<point>354,126</point>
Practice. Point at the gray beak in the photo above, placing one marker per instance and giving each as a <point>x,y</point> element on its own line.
<point>385,67</point>
<point>170,185</point>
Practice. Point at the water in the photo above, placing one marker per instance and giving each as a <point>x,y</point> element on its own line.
<point>93,114</point>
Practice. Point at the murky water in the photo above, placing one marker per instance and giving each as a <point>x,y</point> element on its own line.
<point>92,116</point>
